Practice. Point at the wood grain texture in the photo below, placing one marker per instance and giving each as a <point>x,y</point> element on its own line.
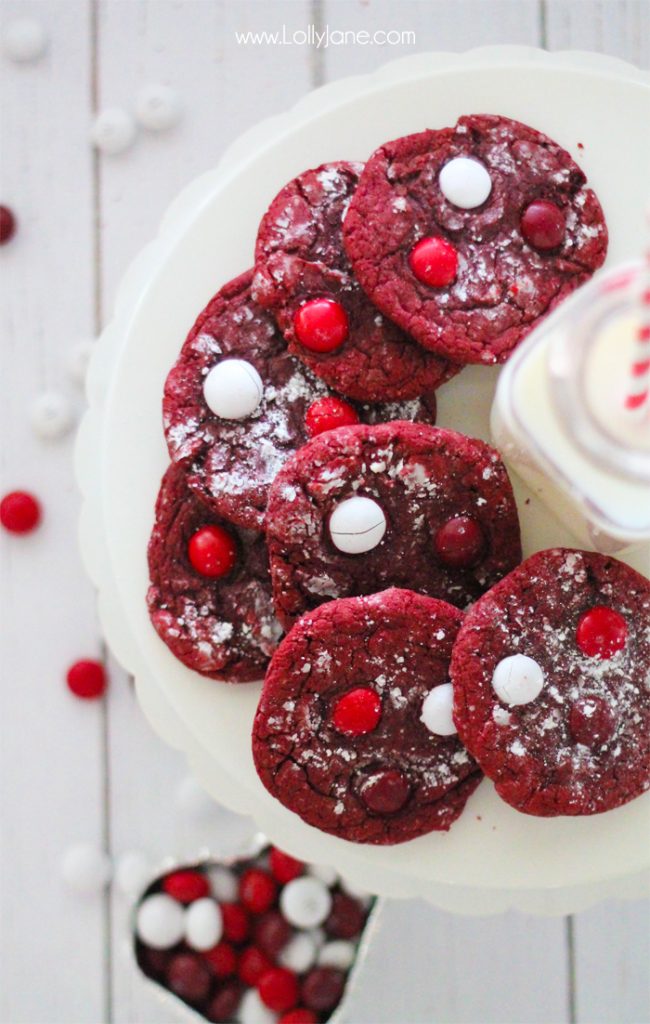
<point>102,775</point>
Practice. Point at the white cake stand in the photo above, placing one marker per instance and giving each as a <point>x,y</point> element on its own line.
<point>493,858</point>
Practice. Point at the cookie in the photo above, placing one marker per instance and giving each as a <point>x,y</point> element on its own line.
<point>236,404</point>
<point>302,274</point>
<point>551,676</point>
<point>210,593</point>
<point>468,236</point>
<point>363,508</point>
<point>338,736</point>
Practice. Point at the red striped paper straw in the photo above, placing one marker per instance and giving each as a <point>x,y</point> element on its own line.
<point>638,391</point>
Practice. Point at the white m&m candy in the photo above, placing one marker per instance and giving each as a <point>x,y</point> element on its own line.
<point>160,921</point>
<point>356,525</point>
<point>465,182</point>
<point>252,1010</point>
<point>132,872</point>
<point>157,107</point>
<point>233,389</point>
<point>203,924</point>
<point>51,415</point>
<point>299,954</point>
<point>224,883</point>
<point>517,679</point>
<point>113,131</point>
<point>24,40</point>
<point>437,710</point>
<point>86,869</point>
<point>339,954</point>
<point>305,902</point>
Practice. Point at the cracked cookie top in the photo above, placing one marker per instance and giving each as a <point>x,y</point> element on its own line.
<point>338,737</point>
<point>467,236</point>
<point>303,275</point>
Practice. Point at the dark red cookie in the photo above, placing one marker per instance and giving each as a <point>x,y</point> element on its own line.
<point>493,270</point>
<point>338,738</point>
<point>222,624</point>
<point>300,261</point>
<point>451,522</point>
<point>581,745</point>
<point>231,463</point>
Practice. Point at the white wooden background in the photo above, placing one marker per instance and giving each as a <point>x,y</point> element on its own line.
<point>71,771</point>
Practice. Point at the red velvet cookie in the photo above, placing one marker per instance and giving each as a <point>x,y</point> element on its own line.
<point>264,404</point>
<point>303,276</point>
<point>363,508</point>
<point>468,236</point>
<point>338,736</point>
<point>551,674</point>
<point>210,593</point>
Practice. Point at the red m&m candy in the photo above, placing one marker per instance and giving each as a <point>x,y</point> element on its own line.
<point>222,959</point>
<point>278,989</point>
<point>252,965</point>
<point>7,225</point>
<point>299,1015</point>
<point>212,551</point>
<point>434,261</point>
<point>601,632</point>
<point>86,679</point>
<point>321,324</point>
<point>591,721</point>
<point>284,867</point>
<point>543,225</point>
<point>20,512</point>
<point>459,542</point>
<point>235,922</point>
<point>385,792</point>
<point>257,890</point>
<point>357,712</point>
<point>186,886</point>
<point>189,977</point>
<point>327,414</point>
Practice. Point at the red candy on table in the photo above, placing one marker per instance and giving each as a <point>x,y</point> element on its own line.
<point>321,325</point>
<point>257,890</point>
<point>434,261</point>
<point>284,867</point>
<point>87,679</point>
<point>459,542</point>
<point>300,1015</point>
<point>236,925</point>
<point>357,712</point>
<point>189,977</point>
<point>20,512</point>
<point>328,413</point>
<point>271,933</point>
<point>601,632</point>
<point>222,959</point>
<point>212,551</point>
<point>591,721</point>
<point>543,225</point>
<point>322,988</point>
<point>252,965</point>
<point>278,989</point>
<point>7,225</point>
<point>221,1009</point>
<point>346,917</point>
<point>186,886</point>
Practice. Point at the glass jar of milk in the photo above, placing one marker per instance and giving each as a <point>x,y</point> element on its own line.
<point>560,420</point>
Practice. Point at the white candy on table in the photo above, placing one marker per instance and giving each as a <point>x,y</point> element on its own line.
<point>77,361</point>
<point>157,107</point>
<point>51,415</point>
<point>339,954</point>
<point>224,883</point>
<point>233,389</point>
<point>465,182</point>
<point>132,873</point>
<point>24,40</point>
<point>305,902</point>
<point>299,954</point>
<point>85,868</point>
<point>160,921</point>
<point>437,710</point>
<point>517,679</point>
<point>356,525</point>
<point>203,924</point>
<point>113,131</point>
<point>252,1010</point>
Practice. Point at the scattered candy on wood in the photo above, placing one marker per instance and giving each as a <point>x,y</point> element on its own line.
<point>132,872</point>
<point>85,868</point>
<point>51,415</point>
<point>157,107</point>
<point>24,40</point>
<point>113,131</point>
<point>20,512</point>
<point>7,225</point>
<point>87,679</point>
